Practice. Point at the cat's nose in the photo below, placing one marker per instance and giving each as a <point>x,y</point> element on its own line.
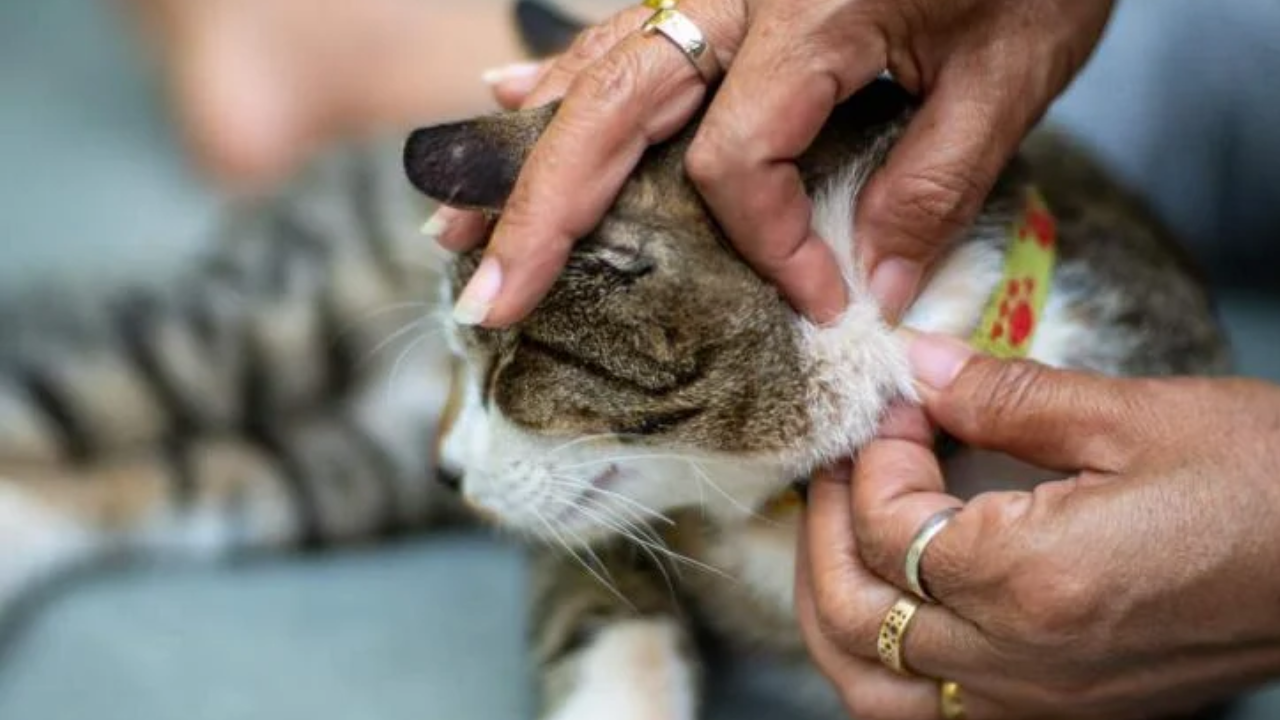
<point>449,479</point>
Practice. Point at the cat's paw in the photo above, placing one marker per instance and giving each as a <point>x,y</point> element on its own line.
<point>635,670</point>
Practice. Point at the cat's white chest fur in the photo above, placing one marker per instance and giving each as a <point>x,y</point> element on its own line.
<point>761,555</point>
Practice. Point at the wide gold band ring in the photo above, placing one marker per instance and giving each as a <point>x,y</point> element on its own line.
<point>685,34</point>
<point>950,701</point>
<point>893,632</point>
<point>915,552</point>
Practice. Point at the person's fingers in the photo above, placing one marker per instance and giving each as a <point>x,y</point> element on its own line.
<point>587,49</point>
<point>512,84</point>
<point>900,460</point>
<point>867,688</point>
<point>937,177</point>
<point>637,94</point>
<point>1021,408</point>
<point>456,230</point>
<point>852,602</point>
<point>768,111</point>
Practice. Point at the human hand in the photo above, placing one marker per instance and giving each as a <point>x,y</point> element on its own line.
<point>1143,585</point>
<point>987,69</point>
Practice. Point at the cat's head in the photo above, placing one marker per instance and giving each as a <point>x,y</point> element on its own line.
<point>660,372</point>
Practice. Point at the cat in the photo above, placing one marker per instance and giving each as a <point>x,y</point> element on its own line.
<point>291,391</point>
<point>282,393</point>
<point>647,414</point>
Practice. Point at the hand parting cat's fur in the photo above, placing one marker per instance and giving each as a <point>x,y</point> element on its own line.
<point>661,393</point>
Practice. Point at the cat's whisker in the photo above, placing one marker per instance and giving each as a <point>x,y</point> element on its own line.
<point>706,477</point>
<point>636,541</point>
<point>366,317</point>
<point>651,539</point>
<point>613,590</point>
<point>395,367</point>
<point>391,338</point>
<point>646,456</point>
<point>402,258</point>
<point>568,482</point>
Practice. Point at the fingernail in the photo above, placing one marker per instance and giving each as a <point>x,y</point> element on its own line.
<point>936,360</point>
<point>437,224</point>
<point>441,224</point>
<point>477,298</point>
<point>893,285</point>
<point>515,71</point>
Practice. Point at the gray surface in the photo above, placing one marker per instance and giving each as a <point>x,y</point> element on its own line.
<point>91,189</point>
<point>421,631</point>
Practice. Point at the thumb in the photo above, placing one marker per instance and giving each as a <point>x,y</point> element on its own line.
<point>1055,419</point>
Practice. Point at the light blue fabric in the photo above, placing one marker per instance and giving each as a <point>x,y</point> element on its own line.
<point>1182,100</point>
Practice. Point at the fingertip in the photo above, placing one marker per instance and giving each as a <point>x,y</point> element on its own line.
<point>894,284</point>
<point>812,281</point>
<point>526,280</point>
<point>838,472</point>
<point>511,86</point>
<point>937,360</point>
<point>906,421</point>
<point>457,230</point>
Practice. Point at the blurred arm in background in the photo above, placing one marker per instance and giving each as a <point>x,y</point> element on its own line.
<point>257,85</point>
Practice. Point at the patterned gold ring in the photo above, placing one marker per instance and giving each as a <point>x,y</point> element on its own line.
<point>893,631</point>
<point>685,34</point>
<point>950,701</point>
<point>915,552</point>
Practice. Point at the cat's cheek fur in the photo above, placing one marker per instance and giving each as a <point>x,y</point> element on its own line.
<point>553,487</point>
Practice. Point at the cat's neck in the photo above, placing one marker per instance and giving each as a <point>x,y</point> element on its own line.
<point>857,365</point>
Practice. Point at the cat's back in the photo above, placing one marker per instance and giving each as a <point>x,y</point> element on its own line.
<point>1122,275</point>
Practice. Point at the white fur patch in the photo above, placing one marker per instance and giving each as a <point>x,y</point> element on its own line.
<point>856,365</point>
<point>633,671</point>
<point>36,542</point>
<point>578,490</point>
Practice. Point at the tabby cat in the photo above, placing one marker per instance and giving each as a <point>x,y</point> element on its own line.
<point>647,413</point>
<point>289,390</point>
<point>282,393</point>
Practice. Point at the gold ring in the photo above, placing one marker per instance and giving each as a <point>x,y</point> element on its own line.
<point>685,34</point>
<point>893,631</point>
<point>950,702</point>
<point>915,553</point>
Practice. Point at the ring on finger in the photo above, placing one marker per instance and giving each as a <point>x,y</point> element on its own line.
<point>685,34</point>
<point>915,552</point>
<point>893,632</point>
<point>951,700</point>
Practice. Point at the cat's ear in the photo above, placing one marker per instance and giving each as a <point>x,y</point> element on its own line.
<point>544,30</point>
<point>473,165</point>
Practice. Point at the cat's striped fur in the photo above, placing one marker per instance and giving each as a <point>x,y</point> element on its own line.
<point>282,393</point>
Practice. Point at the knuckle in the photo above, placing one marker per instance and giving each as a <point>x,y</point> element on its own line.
<point>591,44</point>
<point>925,208</point>
<point>832,620</point>
<point>968,571</point>
<point>1007,389</point>
<point>610,81</point>
<point>1051,608</point>
<point>707,161</point>
<point>836,622</point>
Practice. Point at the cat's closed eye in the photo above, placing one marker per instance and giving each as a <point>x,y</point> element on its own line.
<point>656,424</point>
<point>623,261</point>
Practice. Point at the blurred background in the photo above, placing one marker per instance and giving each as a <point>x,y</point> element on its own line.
<point>125,127</point>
